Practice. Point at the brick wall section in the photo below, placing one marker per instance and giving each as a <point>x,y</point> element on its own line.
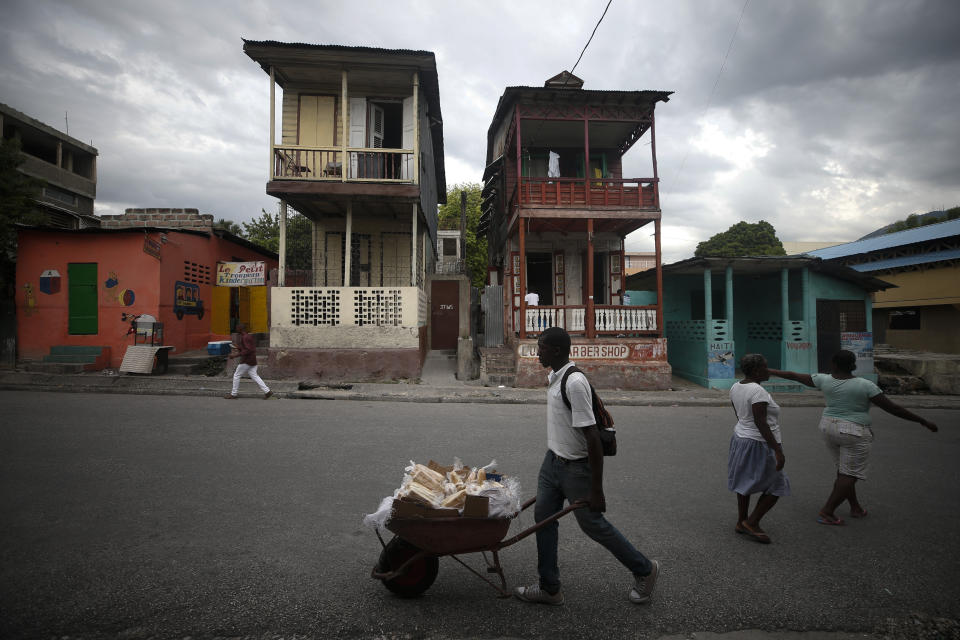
<point>171,218</point>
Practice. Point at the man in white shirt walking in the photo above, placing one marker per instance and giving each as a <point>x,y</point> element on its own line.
<point>573,470</point>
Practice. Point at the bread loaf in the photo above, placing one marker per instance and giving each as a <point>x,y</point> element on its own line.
<point>427,477</point>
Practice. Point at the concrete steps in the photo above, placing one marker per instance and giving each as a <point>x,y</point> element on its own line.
<point>66,359</point>
<point>498,367</point>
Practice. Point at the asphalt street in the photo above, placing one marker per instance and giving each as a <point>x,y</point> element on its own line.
<point>157,516</point>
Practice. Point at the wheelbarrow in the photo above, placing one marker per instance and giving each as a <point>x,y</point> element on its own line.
<point>409,563</point>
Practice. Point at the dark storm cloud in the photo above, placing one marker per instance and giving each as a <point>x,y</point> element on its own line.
<point>829,119</point>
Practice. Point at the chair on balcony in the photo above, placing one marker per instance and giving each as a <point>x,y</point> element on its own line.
<point>292,166</point>
<point>333,169</point>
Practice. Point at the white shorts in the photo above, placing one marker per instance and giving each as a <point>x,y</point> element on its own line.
<point>849,443</point>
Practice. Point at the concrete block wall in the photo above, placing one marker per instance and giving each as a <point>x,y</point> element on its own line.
<point>172,218</point>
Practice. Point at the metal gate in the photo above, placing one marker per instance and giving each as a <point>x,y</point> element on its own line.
<point>491,303</point>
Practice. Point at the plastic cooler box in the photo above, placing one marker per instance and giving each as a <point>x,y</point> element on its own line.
<point>220,348</point>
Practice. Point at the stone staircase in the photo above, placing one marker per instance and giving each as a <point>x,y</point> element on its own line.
<point>903,371</point>
<point>70,359</point>
<point>498,366</point>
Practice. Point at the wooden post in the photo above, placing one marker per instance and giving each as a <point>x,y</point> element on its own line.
<point>348,244</point>
<point>653,153</point>
<point>282,276</point>
<point>463,226</point>
<point>523,280</point>
<point>273,140</point>
<point>656,244</point>
<point>345,119</point>
<point>591,321</point>
<point>586,158</point>
<point>413,249</point>
<point>416,128</point>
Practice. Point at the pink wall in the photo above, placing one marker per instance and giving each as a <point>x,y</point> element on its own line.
<point>125,274</point>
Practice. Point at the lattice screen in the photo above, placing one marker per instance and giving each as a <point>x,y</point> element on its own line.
<point>379,307</point>
<point>315,307</point>
<point>764,330</point>
<point>690,330</point>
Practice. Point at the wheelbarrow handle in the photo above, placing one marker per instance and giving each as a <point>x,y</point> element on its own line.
<point>576,504</point>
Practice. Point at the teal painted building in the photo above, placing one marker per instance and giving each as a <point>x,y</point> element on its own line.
<point>796,310</point>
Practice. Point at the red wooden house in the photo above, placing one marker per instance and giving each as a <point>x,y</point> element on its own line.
<point>556,210</point>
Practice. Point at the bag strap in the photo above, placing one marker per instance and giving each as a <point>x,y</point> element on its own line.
<point>563,386</point>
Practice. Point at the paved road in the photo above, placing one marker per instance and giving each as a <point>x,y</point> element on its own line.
<point>136,517</point>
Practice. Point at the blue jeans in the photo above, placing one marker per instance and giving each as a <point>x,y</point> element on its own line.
<point>561,480</point>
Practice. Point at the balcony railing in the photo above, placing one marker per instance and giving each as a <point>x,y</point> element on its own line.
<point>634,193</point>
<point>292,162</point>
<point>608,319</point>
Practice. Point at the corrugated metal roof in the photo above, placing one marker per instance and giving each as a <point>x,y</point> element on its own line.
<point>890,240</point>
<point>756,265</point>
<point>906,261</point>
<point>337,47</point>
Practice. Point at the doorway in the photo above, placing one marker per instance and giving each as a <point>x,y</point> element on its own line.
<point>833,318</point>
<point>444,314</point>
<point>540,276</point>
<point>82,314</point>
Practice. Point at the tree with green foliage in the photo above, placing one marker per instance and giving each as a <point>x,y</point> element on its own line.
<point>914,220</point>
<point>265,231</point>
<point>18,205</point>
<point>229,226</point>
<point>449,218</point>
<point>742,239</point>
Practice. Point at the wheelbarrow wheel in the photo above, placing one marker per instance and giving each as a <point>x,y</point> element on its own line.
<point>418,576</point>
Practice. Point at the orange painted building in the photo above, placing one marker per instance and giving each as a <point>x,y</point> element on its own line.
<point>74,287</point>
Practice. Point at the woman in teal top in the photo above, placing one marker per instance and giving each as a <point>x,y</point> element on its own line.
<point>845,427</point>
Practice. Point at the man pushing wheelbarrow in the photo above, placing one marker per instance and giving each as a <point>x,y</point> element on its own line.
<point>572,470</point>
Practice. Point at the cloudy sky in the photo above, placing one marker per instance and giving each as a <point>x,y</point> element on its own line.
<point>829,119</point>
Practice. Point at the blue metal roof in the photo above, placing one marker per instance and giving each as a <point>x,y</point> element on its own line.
<point>898,239</point>
<point>906,261</point>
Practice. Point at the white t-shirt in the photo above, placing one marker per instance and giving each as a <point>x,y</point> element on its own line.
<point>563,436</point>
<point>744,396</point>
<point>533,299</point>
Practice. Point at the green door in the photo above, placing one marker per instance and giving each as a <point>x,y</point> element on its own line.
<point>82,284</point>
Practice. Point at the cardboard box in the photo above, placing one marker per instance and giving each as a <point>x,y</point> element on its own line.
<point>476,507</point>
<point>403,508</point>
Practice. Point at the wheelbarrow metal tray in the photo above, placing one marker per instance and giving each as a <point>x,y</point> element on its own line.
<point>443,536</point>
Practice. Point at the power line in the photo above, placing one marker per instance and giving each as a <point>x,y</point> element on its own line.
<point>591,37</point>
<point>580,57</point>
<point>717,81</point>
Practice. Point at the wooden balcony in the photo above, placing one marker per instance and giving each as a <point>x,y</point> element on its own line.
<point>609,319</point>
<point>292,162</point>
<point>594,193</point>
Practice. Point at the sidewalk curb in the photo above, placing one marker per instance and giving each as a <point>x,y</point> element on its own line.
<point>404,392</point>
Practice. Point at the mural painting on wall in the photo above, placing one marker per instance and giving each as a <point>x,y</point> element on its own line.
<point>50,282</point>
<point>29,300</point>
<point>112,291</point>
<point>187,300</point>
<point>720,360</point>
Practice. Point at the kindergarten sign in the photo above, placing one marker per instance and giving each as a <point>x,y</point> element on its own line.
<point>241,274</point>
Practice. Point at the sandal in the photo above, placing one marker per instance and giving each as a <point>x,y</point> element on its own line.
<point>759,536</point>
<point>858,514</point>
<point>823,518</point>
